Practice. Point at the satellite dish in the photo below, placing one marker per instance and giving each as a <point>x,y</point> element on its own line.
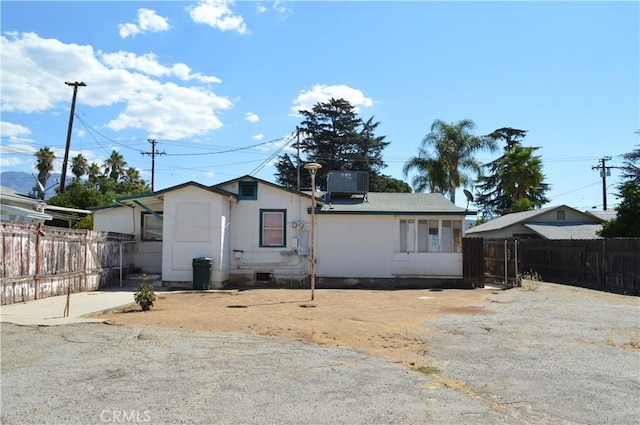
<point>469,197</point>
<point>40,186</point>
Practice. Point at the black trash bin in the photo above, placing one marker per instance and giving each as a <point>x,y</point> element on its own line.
<point>202,272</point>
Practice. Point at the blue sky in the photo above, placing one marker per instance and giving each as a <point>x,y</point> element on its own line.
<point>208,77</point>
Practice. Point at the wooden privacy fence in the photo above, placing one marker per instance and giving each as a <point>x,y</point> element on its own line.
<point>41,261</point>
<point>611,265</point>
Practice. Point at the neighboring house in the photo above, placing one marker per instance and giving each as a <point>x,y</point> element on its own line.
<point>561,222</point>
<point>258,232</point>
<point>24,209</point>
<point>21,208</point>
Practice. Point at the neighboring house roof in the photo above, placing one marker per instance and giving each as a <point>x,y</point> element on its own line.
<point>26,212</point>
<point>565,231</point>
<point>383,203</point>
<point>581,226</point>
<point>515,218</point>
<point>604,215</point>
<point>14,203</point>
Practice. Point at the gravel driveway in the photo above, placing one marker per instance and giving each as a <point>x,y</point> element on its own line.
<point>557,355</point>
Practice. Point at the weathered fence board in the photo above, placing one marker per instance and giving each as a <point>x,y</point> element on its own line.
<point>42,261</point>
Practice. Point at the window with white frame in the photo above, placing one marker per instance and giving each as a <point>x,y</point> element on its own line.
<point>151,227</point>
<point>431,236</point>
<point>272,228</point>
<point>407,236</point>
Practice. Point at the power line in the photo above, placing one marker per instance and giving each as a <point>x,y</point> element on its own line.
<point>273,155</point>
<point>87,126</point>
<point>228,150</point>
<point>575,190</point>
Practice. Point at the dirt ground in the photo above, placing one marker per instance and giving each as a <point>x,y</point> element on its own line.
<point>385,323</point>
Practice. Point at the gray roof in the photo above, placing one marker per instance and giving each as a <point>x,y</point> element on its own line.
<point>565,230</point>
<point>513,218</point>
<point>393,203</point>
<point>603,215</point>
<point>31,213</point>
<point>9,192</point>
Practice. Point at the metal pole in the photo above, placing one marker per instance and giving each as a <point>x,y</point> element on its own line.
<point>313,169</point>
<point>313,233</point>
<point>506,265</point>
<point>515,263</point>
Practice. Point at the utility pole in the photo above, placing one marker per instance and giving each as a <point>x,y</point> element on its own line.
<point>63,174</point>
<point>604,172</point>
<point>298,157</point>
<point>153,154</point>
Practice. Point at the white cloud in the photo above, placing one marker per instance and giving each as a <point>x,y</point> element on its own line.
<point>321,93</point>
<point>34,68</point>
<point>10,161</point>
<point>148,21</point>
<point>218,14</point>
<point>279,8</point>
<point>126,30</point>
<point>148,64</point>
<point>258,136</point>
<point>173,113</point>
<point>11,130</point>
<point>16,142</point>
<point>251,117</point>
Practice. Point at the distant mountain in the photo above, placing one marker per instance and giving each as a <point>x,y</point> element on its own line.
<point>23,183</point>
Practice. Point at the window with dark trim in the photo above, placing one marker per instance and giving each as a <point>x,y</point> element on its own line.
<point>248,191</point>
<point>151,227</point>
<point>273,228</point>
<point>560,215</point>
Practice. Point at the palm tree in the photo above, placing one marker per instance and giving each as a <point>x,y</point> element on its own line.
<point>44,165</point>
<point>115,165</point>
<point>93,172</point>
<point>432,173</point>
<point>79,166</point>
<point>523,177</point>
<point>514,181</point>
<point>455,145</point>
<point>132,175</point>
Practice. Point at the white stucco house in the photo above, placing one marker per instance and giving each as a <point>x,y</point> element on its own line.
<point>558,222</point>
<point>257,232</point>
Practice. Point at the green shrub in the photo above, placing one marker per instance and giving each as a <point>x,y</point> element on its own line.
<point>146,296</point>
